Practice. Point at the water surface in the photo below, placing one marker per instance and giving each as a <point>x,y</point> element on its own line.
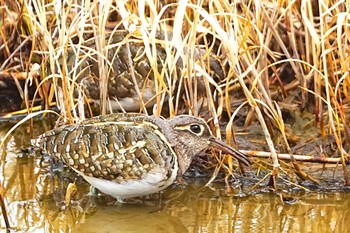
<point>34,191</point>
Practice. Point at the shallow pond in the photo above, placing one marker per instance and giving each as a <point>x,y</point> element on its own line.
<point>34,196</point>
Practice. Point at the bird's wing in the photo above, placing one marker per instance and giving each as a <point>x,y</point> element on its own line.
<point>110,150</point>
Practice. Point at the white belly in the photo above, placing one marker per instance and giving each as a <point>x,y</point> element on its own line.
<point>152,182</point>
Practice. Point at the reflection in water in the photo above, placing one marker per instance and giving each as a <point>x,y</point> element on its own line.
<point>34,197</point>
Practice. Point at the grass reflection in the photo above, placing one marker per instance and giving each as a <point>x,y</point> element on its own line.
<point>34,191</point>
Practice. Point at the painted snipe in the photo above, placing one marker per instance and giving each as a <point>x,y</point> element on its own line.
<point>129,155</point>
<point>121,88</point>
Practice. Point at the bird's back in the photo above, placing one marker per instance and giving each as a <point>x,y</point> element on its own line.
<point>119,147</point>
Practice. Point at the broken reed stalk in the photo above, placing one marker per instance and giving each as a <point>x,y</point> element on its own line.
<point>3,209</point>
<point>301,158</point>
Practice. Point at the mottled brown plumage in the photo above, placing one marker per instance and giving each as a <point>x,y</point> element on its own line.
<point>127,155</point>
<point>121,58</point>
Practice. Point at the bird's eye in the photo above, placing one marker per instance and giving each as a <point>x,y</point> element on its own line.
<point>195,128</point>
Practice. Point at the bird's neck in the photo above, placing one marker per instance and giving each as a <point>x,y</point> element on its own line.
<point>184,159</point>
<point>184,154</point>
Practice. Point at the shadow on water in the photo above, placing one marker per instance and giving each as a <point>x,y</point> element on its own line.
<point>34,196</point>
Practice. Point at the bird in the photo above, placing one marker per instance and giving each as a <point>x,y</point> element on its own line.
<point>129,155</point>
<point>130,89</point>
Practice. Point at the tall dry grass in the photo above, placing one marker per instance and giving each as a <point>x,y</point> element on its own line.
<point>254,41</point>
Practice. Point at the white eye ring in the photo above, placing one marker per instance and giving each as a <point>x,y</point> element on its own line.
<point>196,129</point>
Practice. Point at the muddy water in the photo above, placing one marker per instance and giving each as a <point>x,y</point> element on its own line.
<point>34,190</point>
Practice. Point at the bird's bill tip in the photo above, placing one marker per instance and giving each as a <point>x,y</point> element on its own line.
<point>216,143</point>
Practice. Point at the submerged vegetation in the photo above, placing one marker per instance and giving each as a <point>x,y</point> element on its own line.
<point>281,65</point>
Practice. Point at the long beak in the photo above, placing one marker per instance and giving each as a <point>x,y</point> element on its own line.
<point>216,143</point>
